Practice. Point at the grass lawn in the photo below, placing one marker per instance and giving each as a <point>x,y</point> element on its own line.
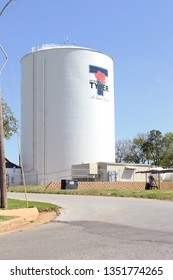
<point>41,206</point>
<point>151,194</point>
<point>5,218</point>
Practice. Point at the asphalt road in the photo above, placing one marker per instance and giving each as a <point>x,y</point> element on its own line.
<point>95,228</point>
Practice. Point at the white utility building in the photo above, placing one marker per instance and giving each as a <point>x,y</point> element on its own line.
<point>67,111</point>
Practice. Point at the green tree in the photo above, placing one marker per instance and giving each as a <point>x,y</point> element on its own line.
<point>132,153</point>
<point>10,123</point>
<point>167,158</point>
<point>153,148</point>
<point>138,143</point>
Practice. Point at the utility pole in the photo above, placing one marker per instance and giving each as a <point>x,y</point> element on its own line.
<point>3,187</point>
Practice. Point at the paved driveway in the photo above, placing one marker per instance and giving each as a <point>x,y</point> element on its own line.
<point>96,228</point>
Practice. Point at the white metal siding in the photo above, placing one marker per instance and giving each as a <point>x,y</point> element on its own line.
<point>64,120</point>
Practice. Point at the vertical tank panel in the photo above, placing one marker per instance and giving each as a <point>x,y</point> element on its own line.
<point>68,94</point>
<point>27,115</point>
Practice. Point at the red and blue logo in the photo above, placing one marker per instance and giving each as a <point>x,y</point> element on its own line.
<point>100,82</point>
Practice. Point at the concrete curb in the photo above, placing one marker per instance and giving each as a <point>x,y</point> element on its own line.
<point>22,217</point>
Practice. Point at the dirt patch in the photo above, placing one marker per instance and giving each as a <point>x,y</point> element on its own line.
<point>45,217</point>
<point>42,218</point>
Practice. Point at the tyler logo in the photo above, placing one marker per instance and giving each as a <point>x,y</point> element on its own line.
<point>100,83</point>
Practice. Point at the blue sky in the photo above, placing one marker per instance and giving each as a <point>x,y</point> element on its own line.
<point>137,34</point>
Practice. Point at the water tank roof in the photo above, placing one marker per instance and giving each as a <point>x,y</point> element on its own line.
<point>60,46</point>
<point>54,46</point>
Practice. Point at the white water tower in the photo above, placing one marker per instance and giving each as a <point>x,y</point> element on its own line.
<point>67,110</point>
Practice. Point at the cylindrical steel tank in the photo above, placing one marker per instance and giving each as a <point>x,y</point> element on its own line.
<point>67,110</point>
